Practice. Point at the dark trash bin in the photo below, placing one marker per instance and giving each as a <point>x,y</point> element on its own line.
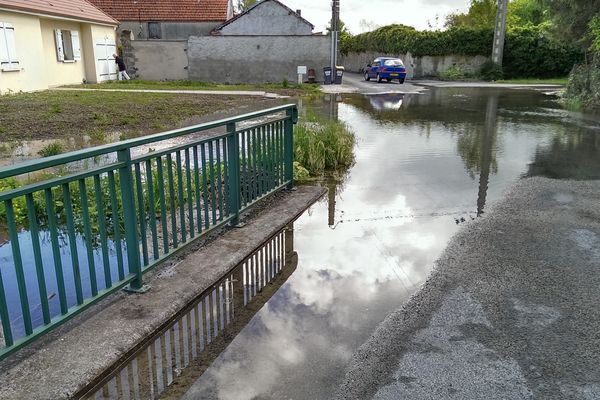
<point>339,74</point>
<point>327,75</point>
<point>312,75</point>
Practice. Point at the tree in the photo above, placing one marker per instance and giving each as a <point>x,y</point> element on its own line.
<point>345,33</point>
<point>524,13</point>
<point>367,26</point>
<point>243,5</point>
<point>481,14</point>
<point>574,20</point>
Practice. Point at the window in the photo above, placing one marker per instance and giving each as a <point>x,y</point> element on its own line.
<point>8,48</point>
<point>393,63</point>
<point>154,31</point>
<point>68,48</point>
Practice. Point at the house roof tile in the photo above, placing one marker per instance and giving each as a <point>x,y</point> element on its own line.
<point>77,9</point>
<point>165,10</point>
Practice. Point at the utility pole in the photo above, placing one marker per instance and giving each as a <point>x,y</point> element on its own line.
<point>335,24</point>
<point>500,32</point>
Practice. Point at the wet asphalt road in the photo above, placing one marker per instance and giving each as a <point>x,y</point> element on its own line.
<point>355,83</point>
<point>511,311</point>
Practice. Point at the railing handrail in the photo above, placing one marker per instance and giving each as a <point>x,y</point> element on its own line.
<point>153,206</point>
<point>48,162</point>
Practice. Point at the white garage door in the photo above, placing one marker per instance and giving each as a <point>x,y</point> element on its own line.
<point>107,69</point>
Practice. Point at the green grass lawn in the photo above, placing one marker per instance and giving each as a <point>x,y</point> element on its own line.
<point>285,88</point>
<point>65,114</point>
<point>532,81</point>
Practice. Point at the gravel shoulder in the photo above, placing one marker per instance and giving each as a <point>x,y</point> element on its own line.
<point>511,310</point>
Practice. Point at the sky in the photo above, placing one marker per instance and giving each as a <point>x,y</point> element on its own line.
<point>415,13</point>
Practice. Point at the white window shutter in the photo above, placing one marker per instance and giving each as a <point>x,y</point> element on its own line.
<point>9,31</point>
<point>60,54</point>
<point>4,58</point>
<point>76,45</point>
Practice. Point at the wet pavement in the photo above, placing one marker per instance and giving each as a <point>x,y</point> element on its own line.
<point>355,83</point>
<point>511,311</point>
<point>425,165</point>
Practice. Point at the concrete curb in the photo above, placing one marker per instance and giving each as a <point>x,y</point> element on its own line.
<point>194,92</point>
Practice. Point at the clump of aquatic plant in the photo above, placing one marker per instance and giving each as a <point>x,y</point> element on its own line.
<point>52,149</point>
<point>323,145</point>
<point>300,173</point>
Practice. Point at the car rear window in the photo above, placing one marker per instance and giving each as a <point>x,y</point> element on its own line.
<point>393,63</point>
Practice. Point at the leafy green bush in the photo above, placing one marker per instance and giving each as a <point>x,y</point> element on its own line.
<point>583,87</point>
<point>52,149</point>
<point>490,71</point>
<point>454,73</point>
<point>532,52</point>
<point>401,39</point>
<point>529,51</point>
<point>321,146</point>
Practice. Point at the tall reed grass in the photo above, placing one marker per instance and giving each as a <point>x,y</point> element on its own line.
<point>323,146</point>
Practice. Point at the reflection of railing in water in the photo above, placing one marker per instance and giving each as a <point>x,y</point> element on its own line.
<point>201,331</point>
<point>153,205</point>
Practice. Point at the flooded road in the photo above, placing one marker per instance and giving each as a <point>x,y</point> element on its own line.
<point>425,165</point>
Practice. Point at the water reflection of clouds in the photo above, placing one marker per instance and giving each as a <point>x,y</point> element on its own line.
<point>429,172</point>
<point>391,222</point>
<point>336,297</point>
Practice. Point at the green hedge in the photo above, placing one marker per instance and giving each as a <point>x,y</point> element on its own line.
<point>402,39</point>
<point>529,52</point>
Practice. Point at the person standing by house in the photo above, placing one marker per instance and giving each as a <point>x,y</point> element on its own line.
<point>122,68</point>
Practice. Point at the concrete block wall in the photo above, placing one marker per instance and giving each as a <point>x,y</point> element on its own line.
<point>417,67</point>
<point>255,59</point>
<point>156,60</point>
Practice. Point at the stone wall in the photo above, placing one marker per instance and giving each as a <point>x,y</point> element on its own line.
<point>255,59</point>
<point>417,67</point>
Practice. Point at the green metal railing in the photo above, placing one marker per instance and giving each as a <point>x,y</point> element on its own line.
<point>74,238</point>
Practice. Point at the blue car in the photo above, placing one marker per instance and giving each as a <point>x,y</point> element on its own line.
<point>386,68</point>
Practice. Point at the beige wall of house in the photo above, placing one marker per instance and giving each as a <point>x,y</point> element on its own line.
<point>39,67</point>
<point>60,72</point>
<point>31,73</point>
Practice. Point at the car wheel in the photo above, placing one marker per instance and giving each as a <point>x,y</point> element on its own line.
<point>401,80</point>
<point>367,77</point>
<point>379,80</point>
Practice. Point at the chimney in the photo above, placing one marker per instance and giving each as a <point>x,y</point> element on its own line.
<point>299,12</point>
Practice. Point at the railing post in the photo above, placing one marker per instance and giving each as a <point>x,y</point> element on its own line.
<point>288,143</point>
<point>233,156</point>
<point>130,223</point>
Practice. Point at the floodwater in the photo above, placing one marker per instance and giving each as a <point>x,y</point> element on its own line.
<point>425,164</point>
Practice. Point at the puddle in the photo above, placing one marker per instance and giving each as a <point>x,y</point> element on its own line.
<point>207,326</point>
<point>423,168</point>
<point>425,165</point>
